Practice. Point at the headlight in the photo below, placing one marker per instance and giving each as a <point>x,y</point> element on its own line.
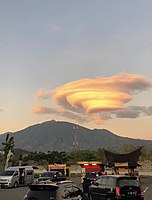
<point>9,180</point>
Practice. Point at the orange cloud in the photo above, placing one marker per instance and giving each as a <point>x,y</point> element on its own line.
<point>40,109</point>
<point>96,99</point>
<point>100,94</point>
<point>42,94</point>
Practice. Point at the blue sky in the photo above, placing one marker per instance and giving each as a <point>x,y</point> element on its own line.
<point>46,44</point>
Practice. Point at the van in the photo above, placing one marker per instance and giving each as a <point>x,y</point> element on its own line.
<point>17,176</point>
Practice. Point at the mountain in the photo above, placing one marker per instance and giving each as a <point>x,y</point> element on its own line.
<point>58,135</point>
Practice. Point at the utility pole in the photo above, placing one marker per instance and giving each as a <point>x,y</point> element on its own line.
<point>75,141</point>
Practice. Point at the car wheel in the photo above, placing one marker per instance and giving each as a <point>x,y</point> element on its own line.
<point>15,184</point>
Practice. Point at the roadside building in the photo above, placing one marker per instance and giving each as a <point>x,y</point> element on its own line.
<point>123,163</point>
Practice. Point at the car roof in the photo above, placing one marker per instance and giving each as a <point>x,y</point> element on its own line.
<point>19,167</point>
<point>51,172</point>
<point>53,183</point>
<point>118,176</point>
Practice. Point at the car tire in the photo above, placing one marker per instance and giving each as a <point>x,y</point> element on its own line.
<point>2,186</point>
<point>16,184</point>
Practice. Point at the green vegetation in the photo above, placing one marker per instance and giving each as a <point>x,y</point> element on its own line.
<point>8,149</point>
<point>44,158</point>
<point>63,157</point>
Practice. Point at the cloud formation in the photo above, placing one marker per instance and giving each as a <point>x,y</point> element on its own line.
<point>40,109</point>
<point>97,99</point>
<point>42,94</point>
<point>134,112</point>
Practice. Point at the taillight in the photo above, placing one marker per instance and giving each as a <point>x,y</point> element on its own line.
<point>118,191</point>
<point>141,191</point>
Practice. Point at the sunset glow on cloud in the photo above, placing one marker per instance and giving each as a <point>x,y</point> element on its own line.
<point>43,94</point>
<point>100,94</point>
<point>92,97</point>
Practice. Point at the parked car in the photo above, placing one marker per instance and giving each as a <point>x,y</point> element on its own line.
<point>114,187</point>
<point>17,176</point>
<point>60,190</point>
<point>51,175</point>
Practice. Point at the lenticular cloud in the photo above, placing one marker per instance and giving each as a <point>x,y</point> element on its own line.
<point>100,94</point>
<point>96,100</point>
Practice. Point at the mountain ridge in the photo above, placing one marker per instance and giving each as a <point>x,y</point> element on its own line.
<point>59,135</point>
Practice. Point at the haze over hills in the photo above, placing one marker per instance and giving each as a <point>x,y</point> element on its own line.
<point>59,135</point>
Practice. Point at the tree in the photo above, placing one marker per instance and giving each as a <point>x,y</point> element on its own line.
<point>8,149</point>
<point>100,155</point>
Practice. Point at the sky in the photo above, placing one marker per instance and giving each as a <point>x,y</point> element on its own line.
<point>86,62</point>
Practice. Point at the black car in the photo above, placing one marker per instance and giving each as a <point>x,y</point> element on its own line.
<point>49,190</point>
<point>51,175</point>
<point>116,187</point>
<point>92,176</point>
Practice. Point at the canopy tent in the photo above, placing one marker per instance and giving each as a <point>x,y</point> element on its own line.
<point>131,158</point>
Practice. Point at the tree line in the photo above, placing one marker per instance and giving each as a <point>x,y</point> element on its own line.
<point>23,157</point>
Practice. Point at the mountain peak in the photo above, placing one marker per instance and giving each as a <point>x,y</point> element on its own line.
<point>57,135</point>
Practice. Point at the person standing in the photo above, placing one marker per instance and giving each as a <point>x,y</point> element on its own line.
<point>23,177</point>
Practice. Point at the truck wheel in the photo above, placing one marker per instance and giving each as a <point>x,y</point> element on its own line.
<point>15,184</point>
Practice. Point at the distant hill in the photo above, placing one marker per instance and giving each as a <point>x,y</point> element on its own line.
<point>58,135</point>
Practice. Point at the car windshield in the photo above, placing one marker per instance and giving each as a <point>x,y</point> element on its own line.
<point>42,192</point>
<point>7,173</point>
<point>90,175</point>
<point>47,174</point>
<point>127,182</point>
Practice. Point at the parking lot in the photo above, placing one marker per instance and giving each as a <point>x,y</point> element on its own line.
<point>13,193</point>
<point>18,193</point>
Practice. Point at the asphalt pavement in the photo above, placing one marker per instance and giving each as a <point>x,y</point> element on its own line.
<point>18,193</point>
<point>13,193</point>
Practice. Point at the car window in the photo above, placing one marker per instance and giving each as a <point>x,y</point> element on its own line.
<point>71,191</point>
<point>104,181</point>
<point>98,181</point>
<point>111,181</point>
<point>30,172</point>
<point>47,174</point>
<point>16,173</point>
<point>127,182</point>
<point>59,174</point>
<point>7,173</point>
